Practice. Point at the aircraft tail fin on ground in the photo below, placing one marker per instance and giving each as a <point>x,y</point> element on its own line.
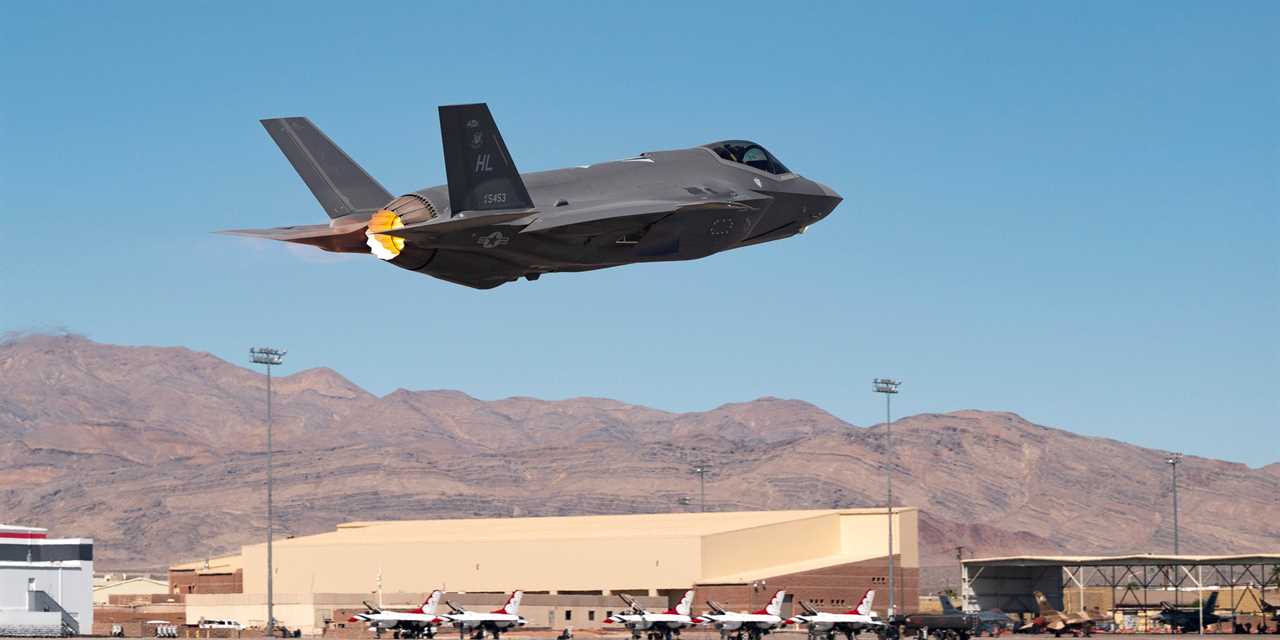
<point>774,608</point>
<point>685,606</point>
<point>482,176</point>
<point>1211,603</point>
<point>433,601</point>
<point>1043,602</point>
<point>512,607</point>
<point>341,186</point>
<point>864,605</point>
<point>947,607</point>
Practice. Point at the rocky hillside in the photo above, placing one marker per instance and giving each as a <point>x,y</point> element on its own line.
<point>156,453</point>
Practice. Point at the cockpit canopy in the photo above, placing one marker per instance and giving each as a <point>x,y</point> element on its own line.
<point>748,153</point>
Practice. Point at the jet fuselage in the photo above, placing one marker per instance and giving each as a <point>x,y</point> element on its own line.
<point>660,206</point>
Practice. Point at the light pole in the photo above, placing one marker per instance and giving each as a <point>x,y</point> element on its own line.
<point>702,469</point>
<point>268,356</point>
<point>1173,460</point>
<point>888,387</point>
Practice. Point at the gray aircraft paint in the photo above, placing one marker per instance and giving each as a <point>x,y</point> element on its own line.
<point>681,204</point>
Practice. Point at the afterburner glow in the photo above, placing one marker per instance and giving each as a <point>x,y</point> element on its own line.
<point>384,246</point>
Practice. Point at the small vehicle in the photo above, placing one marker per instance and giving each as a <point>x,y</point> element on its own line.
<point>220,624</point>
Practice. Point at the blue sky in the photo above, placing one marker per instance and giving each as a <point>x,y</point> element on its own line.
<point>1065,210</point>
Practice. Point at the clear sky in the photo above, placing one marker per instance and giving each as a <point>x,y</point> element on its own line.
<point>1068,210</point>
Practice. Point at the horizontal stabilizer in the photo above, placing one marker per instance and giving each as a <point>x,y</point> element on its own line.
<point>341,185</point>
<point>457,223</point>
<point>316,235</point>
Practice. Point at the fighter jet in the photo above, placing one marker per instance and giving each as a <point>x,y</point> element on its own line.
<point>954,625</point>
<point>1268,608</point>
<point>662,625</point>
<point>477,622</point>
<point>1189,620</point>
<point>990,621</point>
<point>1057,622</point>
<point>756,624</point>
<point>490,224</point>
<point>418,623</point>
<point>850,623</point>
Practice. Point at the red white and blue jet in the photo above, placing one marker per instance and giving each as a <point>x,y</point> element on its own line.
<point>657,625</point>
<point>755,625</point>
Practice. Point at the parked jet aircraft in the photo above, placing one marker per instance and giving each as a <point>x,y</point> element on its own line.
<point>1268,608</point>
<point>491,224</point>
<point>662,625</point>
<point>990,621</point>
<point>1057,622</point>
<point>956,625</point>
<point>1190,619</point>
<point>850,623</point>
<point>418,623</point>
<point>495,622</point>
<point>756,624</point>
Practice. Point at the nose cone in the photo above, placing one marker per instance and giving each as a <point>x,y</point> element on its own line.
<point>820,201</point>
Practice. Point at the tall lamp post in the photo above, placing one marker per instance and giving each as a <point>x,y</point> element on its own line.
<point>702,469</point>
<point>268,356</point>
<point>1173,461</point>
<point>888,387</point>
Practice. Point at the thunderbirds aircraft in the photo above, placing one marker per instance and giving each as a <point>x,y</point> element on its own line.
<point>851,623</point>
<point>491,224</point>
<point>756,624</point>
<point>418,623</point>
<point>495,622</point>
<point>658,625</point>
<point>1057,622</point>
<point>1191,619</point>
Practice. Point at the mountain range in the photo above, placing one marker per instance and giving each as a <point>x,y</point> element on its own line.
<point>158,454</point>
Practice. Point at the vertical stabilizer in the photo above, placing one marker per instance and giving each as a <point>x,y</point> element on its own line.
<point>685,606</point>
<point>864,605</point>
<point>482,176</point>
<point>947,607</point>
<point>512,607</point>
<point>432,602</point>
<point>774,608</point>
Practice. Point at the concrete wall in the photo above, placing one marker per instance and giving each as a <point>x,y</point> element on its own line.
<point>746,551</point>
<point>655,553</point>
<point>141,588</point>
<point>68,582</point>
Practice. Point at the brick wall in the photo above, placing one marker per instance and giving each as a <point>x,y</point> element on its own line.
<point>190,581</point>
<point>836,588</point>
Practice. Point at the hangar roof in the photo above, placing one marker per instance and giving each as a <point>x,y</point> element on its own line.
<point>1135,560</point>
<point>219,564</point>
<point>641,525</point>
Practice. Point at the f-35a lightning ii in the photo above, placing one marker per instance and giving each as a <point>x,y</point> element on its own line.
<point>491,224</point>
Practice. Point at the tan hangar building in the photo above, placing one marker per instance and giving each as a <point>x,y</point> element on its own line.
<point>578,563</point>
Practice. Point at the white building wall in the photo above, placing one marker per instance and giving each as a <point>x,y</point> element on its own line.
<point>70,582</point>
